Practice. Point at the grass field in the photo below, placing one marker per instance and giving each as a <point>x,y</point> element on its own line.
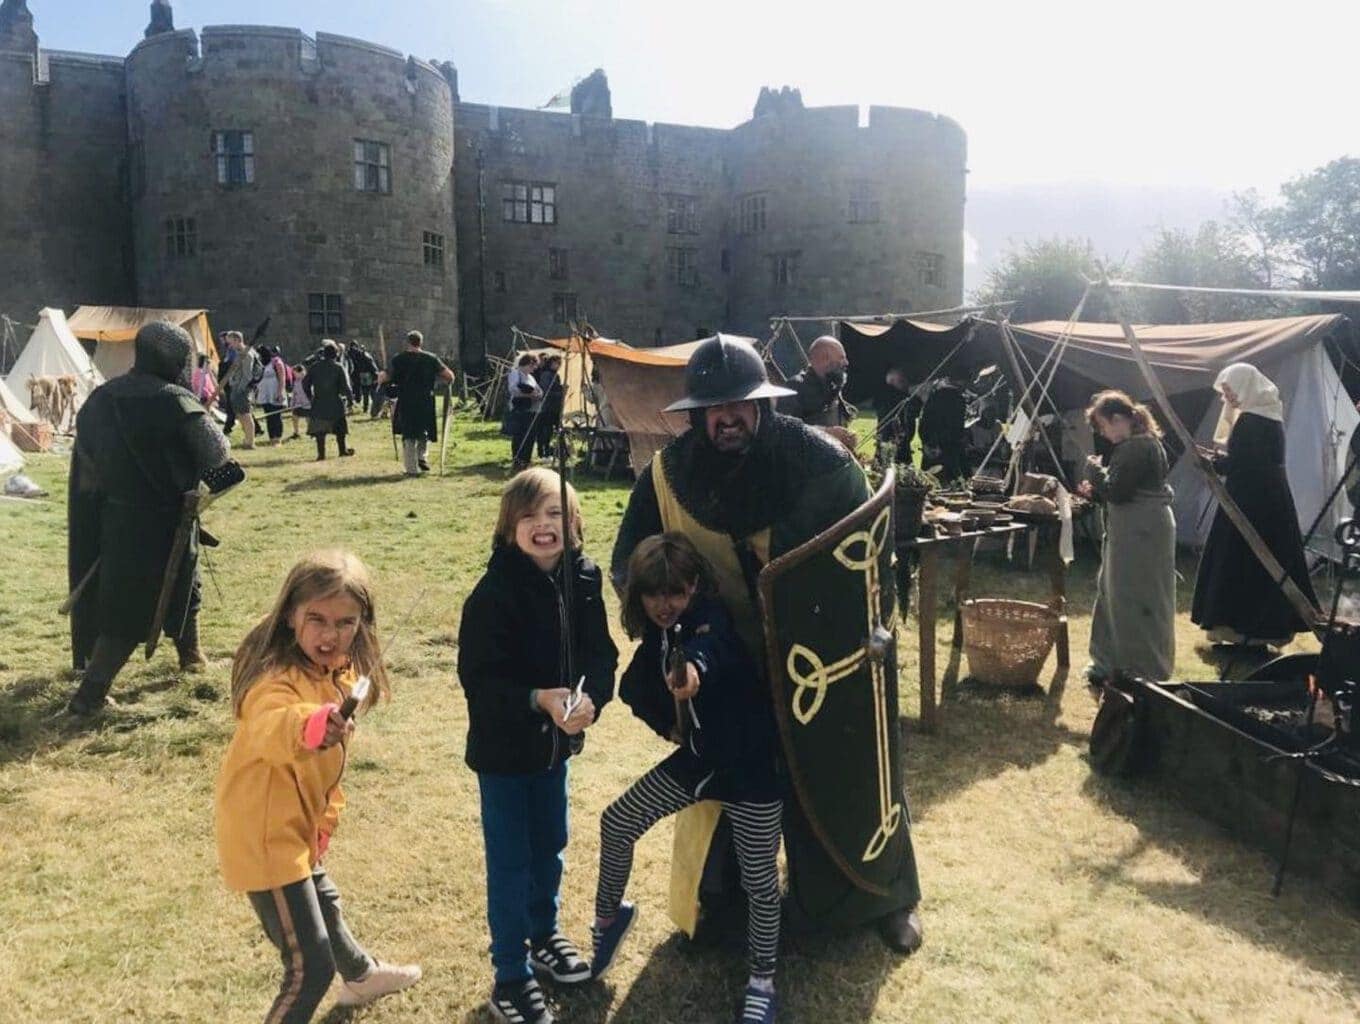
<point>1050,894</point>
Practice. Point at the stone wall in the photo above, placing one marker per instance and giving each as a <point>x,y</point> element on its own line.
<point>301,227</point>
<point>612,180</point>
<point>64,229</point>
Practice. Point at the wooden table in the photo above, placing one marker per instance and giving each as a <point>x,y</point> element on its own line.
<point>929,550</point>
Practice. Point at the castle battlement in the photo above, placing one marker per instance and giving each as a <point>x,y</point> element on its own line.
<point>338,185</point>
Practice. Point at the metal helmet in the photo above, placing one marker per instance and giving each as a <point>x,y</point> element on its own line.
<point>725,369</point>
<point>164,350</point>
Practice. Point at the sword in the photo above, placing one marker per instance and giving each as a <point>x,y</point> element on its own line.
<point>196,502</point>
<point>444,427</point>
<point>70,602</point>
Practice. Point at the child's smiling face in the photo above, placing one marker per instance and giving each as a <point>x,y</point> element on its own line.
<point>325,629</point>
<point>664,609</point>
<point>539,533</point>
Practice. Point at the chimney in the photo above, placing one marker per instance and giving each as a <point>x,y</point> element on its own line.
<point>16,27</point>
<point>162,19</point>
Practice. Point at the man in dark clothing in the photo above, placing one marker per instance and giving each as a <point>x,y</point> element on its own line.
<point>363,374</point>
<point>817,388</point>
<point>142,441</point>
<point>414,373</point>
<point>899,407</point>
<point>943,436</point>
<point>326,384</point>
<point>549,377</point>
<point>747,485</point>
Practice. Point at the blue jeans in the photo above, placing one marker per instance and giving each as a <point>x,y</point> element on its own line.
<point>524,825</point>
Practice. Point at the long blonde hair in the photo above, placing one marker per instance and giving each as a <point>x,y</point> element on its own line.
<point>271,645</point>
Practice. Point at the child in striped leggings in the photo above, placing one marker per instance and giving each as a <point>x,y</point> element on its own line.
<point>693,681</point>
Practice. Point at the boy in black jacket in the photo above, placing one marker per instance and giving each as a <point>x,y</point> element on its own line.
<point>522,728</point>
<point>693,681</point>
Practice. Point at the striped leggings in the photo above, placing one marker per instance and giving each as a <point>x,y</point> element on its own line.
<point>304,923</point>
<point>755,833</point>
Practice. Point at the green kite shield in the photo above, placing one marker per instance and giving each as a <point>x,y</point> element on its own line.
<point>829,611</point>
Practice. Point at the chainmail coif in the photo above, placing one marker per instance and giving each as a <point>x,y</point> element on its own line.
<point>164,350</point>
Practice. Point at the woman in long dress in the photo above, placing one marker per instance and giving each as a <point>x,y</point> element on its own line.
<point>1133,625</point>
<point>1236,601</point>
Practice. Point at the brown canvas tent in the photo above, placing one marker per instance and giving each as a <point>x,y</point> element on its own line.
<point>1302,355</point>
<point>113,328</point>
<point>915,347</point>
<point>640,382</point>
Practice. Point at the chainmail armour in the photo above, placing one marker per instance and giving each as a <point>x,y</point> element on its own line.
<point>740,494</point>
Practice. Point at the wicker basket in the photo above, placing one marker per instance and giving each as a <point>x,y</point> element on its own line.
<point>1008,641</point>
<point>31,437</point>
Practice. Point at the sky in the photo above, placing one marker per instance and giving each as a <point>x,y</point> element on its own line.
<point>1195,93</point>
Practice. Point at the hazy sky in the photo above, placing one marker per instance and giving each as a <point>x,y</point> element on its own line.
<point>1194,92</point>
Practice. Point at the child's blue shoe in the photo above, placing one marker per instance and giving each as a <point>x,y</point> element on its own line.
<point>606,941</point>
<point>757,1007</point>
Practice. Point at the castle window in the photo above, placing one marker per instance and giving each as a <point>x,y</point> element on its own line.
<point>498,282</point>
<point>557,264</point>
<point>564,307</point>
<point>434,249</point>
<point>751,214</point>
<point>783,269</point>
<point>325,314</point>
<point>234,152</point>
<point>372,166</point>
<point>682,267</point>
<point>181,237</point>
<point>864,205</point>
<point>930,268</point>
<point>682,215</point>
<point>528,202</point>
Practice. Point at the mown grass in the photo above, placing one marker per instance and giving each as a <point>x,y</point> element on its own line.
<point>1050,894</point>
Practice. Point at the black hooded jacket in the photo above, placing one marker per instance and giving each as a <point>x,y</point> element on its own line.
<point>509,643</point>
<point>729,749</point>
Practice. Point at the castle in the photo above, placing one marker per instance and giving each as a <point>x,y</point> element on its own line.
<point>337,186</point>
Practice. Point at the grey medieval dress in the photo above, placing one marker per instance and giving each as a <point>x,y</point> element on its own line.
<point>1133,625</point>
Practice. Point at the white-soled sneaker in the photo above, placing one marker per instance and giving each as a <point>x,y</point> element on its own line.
<point>557,958</point>
<point>382,980</point>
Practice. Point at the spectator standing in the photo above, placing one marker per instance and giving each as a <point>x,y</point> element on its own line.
<point>204,383</point>
<point>523,391</point>
<point>302,402</point>
<point>549,377</point>
<point>272,392</point>
<point>245,368</point>
<point>363,374</point>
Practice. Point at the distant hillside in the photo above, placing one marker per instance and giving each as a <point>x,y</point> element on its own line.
<point>1118,219</point>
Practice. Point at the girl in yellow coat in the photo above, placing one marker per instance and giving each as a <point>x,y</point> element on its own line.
<point>278,793</point>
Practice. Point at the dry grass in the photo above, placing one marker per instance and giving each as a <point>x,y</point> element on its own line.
<point>1050,895</point>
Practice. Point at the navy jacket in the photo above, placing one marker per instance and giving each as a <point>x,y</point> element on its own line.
<point>509,642</point>
<point>730,753</point>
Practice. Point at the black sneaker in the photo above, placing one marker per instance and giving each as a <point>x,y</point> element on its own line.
<point>606,941</point>
<point>757,1007</point>
<point>520,1002</point>
<point>424,465</point>
<point>557,958</point>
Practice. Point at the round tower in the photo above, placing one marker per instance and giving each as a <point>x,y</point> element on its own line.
<point>831,217</point>
<point>309,181</point>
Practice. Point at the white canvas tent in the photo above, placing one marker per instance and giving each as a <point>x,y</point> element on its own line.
<point>52,351</point>
<point>12,408</point>
<point>11,459</point>
<point>1292,351</point>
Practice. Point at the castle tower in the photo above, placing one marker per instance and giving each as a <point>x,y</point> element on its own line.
<point>162,18</point>
<point>16,27</point>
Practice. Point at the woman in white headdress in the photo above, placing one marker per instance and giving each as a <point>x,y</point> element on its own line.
<point>1236,601</point>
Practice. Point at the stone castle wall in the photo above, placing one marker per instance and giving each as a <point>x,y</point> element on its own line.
<point>611,179</point>
<point>301,227</point>
<point>654,238</point>
<point>65,235</point>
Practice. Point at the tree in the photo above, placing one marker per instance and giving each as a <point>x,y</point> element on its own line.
<point>1214,256</point>
<point>1046,279</point>
<point>1319,223</point>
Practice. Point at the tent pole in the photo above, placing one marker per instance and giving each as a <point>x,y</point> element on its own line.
<point>1310,614</point>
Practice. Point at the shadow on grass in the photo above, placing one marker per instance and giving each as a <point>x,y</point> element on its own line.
<point>1306,923</point>
<point>329,483</point>
<point>33,718</point>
